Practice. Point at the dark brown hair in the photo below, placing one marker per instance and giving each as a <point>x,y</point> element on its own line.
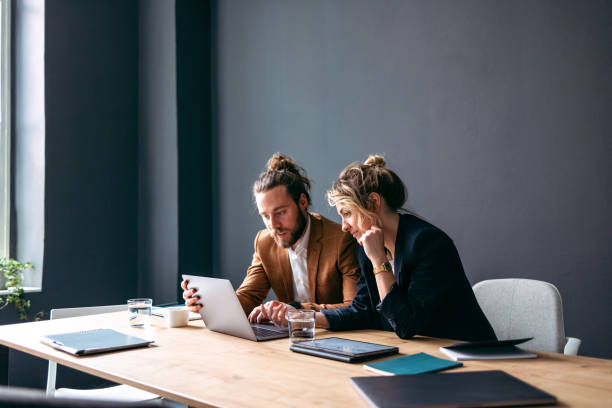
<point>283,171</point>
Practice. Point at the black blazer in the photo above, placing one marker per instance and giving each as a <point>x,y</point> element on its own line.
<point>431,296</point>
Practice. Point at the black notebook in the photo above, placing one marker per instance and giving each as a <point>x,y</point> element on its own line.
<point>467,389</point>
<point>350,351</point>
<point>93,341</point>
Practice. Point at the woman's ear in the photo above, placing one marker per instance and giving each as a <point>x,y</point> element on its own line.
<point>374,200</point>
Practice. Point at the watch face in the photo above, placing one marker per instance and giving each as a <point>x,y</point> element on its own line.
<point>384,267</point>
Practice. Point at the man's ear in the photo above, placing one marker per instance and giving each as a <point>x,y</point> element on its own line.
<point>374,201</point>
<point>303,202</point>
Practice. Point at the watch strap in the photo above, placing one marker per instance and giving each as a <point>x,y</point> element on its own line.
<point>382,268</point>
<point>297,305</point>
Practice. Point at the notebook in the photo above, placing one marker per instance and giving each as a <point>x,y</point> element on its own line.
<point>413,364</point>
<point>487,350</point>
<point>222,312</point>
<point>463,389</point>
<point>350,351</point>
<point>93,341</point>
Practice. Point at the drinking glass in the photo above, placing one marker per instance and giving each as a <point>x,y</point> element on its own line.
<point>301,325</point>
<point>139,312</point>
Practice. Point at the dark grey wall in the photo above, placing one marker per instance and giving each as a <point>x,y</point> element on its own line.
<point>495,114</point>
<point>158,152</point>
<point>197,164</point>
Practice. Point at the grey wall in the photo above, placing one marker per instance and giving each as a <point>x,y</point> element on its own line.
<point>158,152</point>
<point>495,114</point>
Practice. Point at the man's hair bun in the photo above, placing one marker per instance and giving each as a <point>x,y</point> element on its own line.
<point>281,170</point>
<point>279,162</point>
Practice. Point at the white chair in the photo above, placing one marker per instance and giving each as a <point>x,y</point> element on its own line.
<point>120,393</point>
<point>518,308</point>
<point>17,397</point>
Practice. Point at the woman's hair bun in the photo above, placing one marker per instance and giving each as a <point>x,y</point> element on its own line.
<point>375,160</point>
<point>280,162</point>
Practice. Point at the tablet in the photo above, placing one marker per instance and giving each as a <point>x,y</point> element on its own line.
<point>350,351</point>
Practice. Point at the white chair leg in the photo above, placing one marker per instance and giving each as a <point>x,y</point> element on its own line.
<point>51,371</point>
<point>166,403</point>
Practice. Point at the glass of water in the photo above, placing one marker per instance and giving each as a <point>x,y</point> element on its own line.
<point>301,325</point>
<point>139,312</point>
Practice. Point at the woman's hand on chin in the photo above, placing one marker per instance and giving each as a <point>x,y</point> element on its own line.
<point>373,244</point>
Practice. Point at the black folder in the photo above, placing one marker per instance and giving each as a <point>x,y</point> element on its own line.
<point>465,389</point>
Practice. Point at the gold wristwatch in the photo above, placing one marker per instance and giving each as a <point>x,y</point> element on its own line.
<point>382,268</point>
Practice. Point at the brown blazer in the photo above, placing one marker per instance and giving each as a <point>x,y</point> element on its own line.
<point>331,264</point>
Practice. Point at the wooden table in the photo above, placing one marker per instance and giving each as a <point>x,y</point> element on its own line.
<point>201,368</point>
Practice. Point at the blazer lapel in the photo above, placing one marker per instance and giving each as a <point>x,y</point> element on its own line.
<point>399,251</point>
<point>312,255</point>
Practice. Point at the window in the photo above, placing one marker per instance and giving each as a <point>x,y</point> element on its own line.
<point>22,142</point>
<point>5,140</point>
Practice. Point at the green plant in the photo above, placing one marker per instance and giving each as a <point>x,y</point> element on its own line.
<point>13,271</point>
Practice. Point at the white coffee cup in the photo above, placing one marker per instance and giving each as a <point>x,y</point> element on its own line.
<point>177,316</point>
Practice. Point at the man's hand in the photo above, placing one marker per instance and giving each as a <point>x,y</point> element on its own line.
<point>277,312</point>
<point>190,300</point>
<point>258,315</point>
<point>272,311</point>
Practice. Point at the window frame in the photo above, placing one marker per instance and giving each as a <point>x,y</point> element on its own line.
<point>5,128</point>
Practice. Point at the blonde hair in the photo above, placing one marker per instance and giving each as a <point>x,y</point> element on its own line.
<point>357,181</point>
<point>281,170</point>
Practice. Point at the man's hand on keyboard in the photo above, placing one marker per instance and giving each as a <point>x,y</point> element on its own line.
<point>258,315</point>
<point>277,312</point>
<point>272,311</point>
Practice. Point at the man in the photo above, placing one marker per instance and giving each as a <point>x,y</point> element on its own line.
<point>303,257</point>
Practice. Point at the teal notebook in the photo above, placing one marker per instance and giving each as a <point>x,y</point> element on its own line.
<point>412,364</point>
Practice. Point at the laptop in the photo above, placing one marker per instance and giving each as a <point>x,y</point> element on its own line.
<point>222,312</point>
<point>93,341</point>
<point>462,389</point>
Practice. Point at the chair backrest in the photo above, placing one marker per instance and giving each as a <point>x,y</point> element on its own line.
<point>16,397</point>
<point>75,312</point>
<point>85,311</point>
<point>518,308</point>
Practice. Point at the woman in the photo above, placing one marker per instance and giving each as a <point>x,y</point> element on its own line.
<point>412,280</point>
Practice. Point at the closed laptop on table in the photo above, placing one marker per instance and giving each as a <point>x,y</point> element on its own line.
<point>463,389</point>
<point>93,341</point>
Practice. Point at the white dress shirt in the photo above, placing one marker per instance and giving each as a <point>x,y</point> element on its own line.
<point>297,258</point>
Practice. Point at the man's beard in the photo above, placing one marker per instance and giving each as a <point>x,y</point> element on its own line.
<point>293,235</point>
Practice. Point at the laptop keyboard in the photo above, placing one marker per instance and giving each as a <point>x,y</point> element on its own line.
<point>263,333</point>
